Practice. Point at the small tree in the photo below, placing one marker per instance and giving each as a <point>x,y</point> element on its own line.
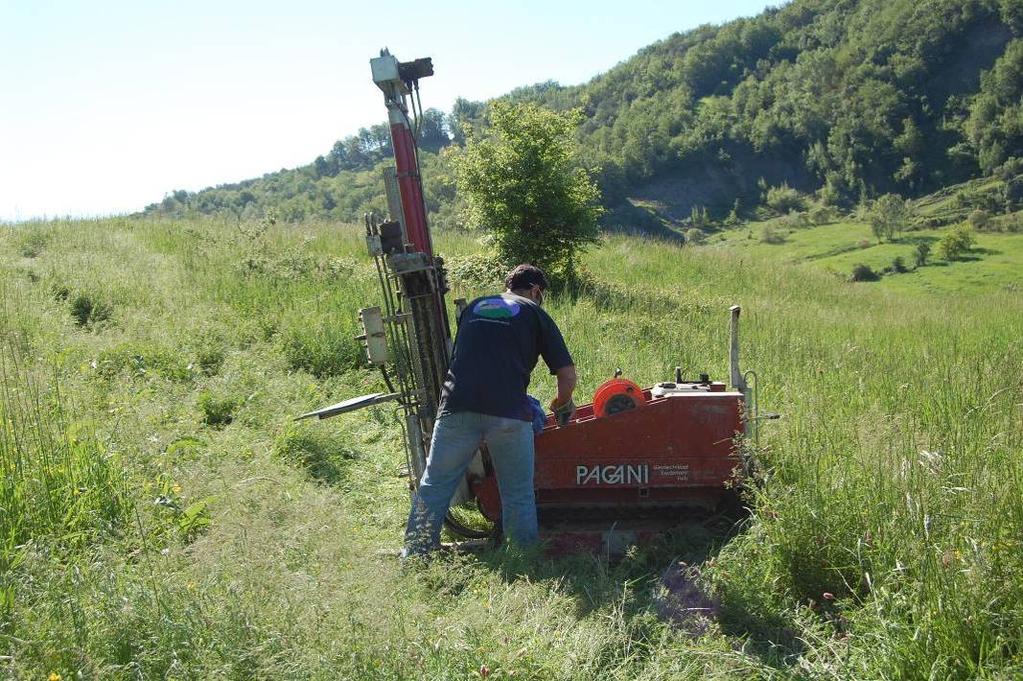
<point>955,243</point>
<point>923,250</point>
<point>888,216</point>
<point>522,184</point>
<point>695,237</point>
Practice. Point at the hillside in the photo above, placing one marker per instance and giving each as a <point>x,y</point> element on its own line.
<point>164,517</point>
<point>843,99</point>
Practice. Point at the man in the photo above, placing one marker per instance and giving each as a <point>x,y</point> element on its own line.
<point>484,399</point>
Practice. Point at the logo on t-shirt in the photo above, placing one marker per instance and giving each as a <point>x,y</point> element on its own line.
<point>496,308</point>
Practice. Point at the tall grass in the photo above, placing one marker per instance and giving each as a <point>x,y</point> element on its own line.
<point>884,540</point>
<point>60,489</point>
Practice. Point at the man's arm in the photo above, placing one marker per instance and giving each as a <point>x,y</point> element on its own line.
<point>566,385</point>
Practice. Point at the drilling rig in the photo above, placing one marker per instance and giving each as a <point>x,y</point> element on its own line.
<point>630,463</point>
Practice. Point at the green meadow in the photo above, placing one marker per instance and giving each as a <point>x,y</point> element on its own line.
<point>164,517</point>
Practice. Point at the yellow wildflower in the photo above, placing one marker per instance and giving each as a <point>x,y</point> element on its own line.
<point>54,676</point>
<point>176,488</point>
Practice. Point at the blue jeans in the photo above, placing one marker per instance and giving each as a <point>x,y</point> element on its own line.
<point>455,439</point>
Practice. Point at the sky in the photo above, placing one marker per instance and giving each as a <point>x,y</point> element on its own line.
<point>108,105</point>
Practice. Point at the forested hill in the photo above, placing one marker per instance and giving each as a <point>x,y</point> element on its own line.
<point>846,98</point>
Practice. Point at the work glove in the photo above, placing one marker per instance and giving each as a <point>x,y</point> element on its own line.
<point>563,413</point>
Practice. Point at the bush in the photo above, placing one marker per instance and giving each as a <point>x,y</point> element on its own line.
<point>784,199</point>
<point>794,220</point>
<point>695,236</point>
<point>923,250</point>
<point>864,273</point>
<point>955,243</point>
<point>771,235</point>
<point>899,265</point>
<point>979,219</point>
<point>1012,167</point>
<point>88,311</point>
<point>821,215</point>
<point>1012,194</point>
<point>478,271</point>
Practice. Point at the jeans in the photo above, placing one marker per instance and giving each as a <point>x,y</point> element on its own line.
<point>455,440</point>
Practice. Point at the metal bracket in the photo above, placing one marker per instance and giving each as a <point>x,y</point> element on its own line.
<point>350,405</point>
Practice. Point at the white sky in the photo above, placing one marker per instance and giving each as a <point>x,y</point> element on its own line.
<point>106,106</point>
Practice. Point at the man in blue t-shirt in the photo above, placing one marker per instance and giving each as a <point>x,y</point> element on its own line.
<point>484,399</point>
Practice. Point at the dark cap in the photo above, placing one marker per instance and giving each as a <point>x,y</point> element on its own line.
<point>525,276</point>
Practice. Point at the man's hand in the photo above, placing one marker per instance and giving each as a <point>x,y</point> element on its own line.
<point>563,410</point>
<point>562,405</point>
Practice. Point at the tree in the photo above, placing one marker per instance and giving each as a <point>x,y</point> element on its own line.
<point>465,115</point>
<point>433,134</point>
<point>521,183</point>
<point>888,216</point>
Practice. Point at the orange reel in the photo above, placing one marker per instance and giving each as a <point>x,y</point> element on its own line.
<point>617,395</point>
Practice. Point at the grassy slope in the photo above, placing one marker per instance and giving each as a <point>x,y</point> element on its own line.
<point>995,263</point>
<point>894,478</point>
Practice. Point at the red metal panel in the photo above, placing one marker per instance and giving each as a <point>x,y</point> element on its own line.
<point>676,450</point>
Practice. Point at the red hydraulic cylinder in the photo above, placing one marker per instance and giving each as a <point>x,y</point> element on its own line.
<point>409,184</point>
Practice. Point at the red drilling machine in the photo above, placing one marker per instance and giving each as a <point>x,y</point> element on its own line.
<point>628,465</point>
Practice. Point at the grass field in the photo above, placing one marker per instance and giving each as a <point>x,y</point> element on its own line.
<point>995,262</point>
<point>163,516</point>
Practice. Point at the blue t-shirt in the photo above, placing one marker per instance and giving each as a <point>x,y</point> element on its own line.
<point>498,343</point>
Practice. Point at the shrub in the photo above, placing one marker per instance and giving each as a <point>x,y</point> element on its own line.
<point>478,271</point>
<point>923,250</point>
<point>821,215</point>
<point>899,265</point>
<point>695,236</point>
<point>1012,194</point>
<point>88,311</point>
<point>955,243</point>
<point>784,199</point>
<point>794,220</point>
<point>1012,167</point>
<point>979,219</point>
<point>864,243</point>
<point>863,272</point>
<point>771,235</point>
